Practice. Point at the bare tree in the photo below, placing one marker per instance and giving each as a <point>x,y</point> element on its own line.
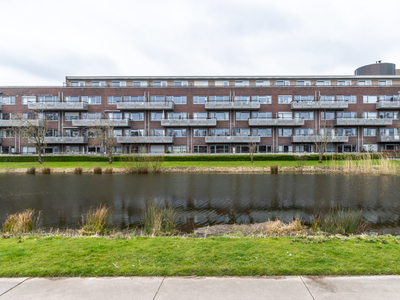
<point>252,149</point>
<point>32,127</point>
<point>102,130</point>
<point>323,138</point>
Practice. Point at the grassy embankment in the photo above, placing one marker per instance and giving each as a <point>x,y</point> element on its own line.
<point>145,256</point>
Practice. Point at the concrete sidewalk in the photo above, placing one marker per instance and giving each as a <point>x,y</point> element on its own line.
<point>176,288</point>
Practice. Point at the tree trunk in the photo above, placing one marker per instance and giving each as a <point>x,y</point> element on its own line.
<point>110,158</point>
<point>251,158</point>
<point>40,157</point>
<point>320,157</point>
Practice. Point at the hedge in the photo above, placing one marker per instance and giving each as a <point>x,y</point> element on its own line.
<point>267,157</point>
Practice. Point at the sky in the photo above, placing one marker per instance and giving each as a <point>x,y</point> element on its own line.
<point>42,41</point>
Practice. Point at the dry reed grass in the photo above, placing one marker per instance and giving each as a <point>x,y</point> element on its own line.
<point>97,170</point>
<point>142,163</point>
<point>22,222</point>
<point>96,221</point>
<point>31,170</point>
<point>78,170</point>
<point>46,170</point>
<point>274,169</point>
<point>108,170</point>
<point>159,220</point>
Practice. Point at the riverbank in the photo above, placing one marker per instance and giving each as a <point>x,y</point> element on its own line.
<point>54,256</point>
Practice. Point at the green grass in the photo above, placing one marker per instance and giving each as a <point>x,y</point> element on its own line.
<point>68,256</point>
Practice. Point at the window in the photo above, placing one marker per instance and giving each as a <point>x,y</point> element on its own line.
<point>134,99</point>
<point>285,115</point>
<point>262,132</point>
<point>71,99</point>
<point>261,99</point>
<point>282,83</point>
<point>219,132</point>
<point>285,132</point>
<point>344,82</point>
<point>98,83</point>
<point>7,133</point>
<point>303,131</point>
<point>28,150</point>
<point>28,99</point>
<point>52,132</point>
<point>389,98</point>
<point>118,83</point>
<point>346,98</point>
<point>114,99</point>
<point>30,116</point>
<point>241,83</point>
<point>135,116</point>
<point>180,83</point>
<point>242,132</point>
<point>364,82</point>
<point>157,99</point>
<point>157,132</point>
<point>77,83</point>
<point>49,116</point>
<point>219,99</point>
<point>284,99</point>
<point>305,115</point>
<point>201,83</point>
<point>176,116</point>
<point>389,131</point>
<point>199,99</point>
<point>222,116</point>
<point>370,99</point>
<point>199,149</point>
<point>177,99</point>
<point>139,83</point>
<point>221,83</point>
<point>117,132</point>
<point>323,82</point>
<point>389,115</point>
<point>261,115</point>
<point>199,132</point>
<point>91,116</point>
<point>370,115</point>
<point>242,116</point>
<point>346,115</point>
<point>347,148</point>
<point>91,99</point>
<point>134,132</point>
<point>176,149</point>
<point>245,99</point>
<point>304,98</point>
<point>159,83</point>
<point>370,131</point>
<point>69,116</point>
<point>219,149</point>
<point>303,82</point>
<point>114,116</point>
<point>48,99</point>
<point>327,115</point>
<point>200,115</point>
<point>262,83</point>
<point>385,82</point>
<point>156,116</point>
<point>329,98</point>
<point>7,116</point>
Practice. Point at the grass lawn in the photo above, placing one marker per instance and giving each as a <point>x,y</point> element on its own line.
<point>141,256</point>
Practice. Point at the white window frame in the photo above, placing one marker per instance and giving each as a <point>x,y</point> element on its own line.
<point>384,82</point>
<point>364,82</point>
<point>305,83</point>
<point>100,83</point>
<point>366,98</point>
<point>120,83</point>
<point>201,83</point>
<point>162,83</point>
<point>281,99</point>
<point>344,82</point>
<point>322,82</point>
<point>77,83</point>
<point>282,83</point>
<point>241,83</point>
<point>180,83</point>
<point>141,83</point>
<point>25,100</point>
<point>262,83</point>
<point>221,83</point>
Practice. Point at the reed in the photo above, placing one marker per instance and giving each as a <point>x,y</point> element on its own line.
<point>274,169</point>
<point>159,220</point>
<point>339,221</point>
<point>46,170</point>
<point>108,170</point>
<point>78,170</point>
<point>97,170</point>
<point>141,163</point>
<point>22,222</point>
<point>96,221</point>
<point>31,170</point>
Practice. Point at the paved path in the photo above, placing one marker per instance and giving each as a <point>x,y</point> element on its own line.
<point>176,288</point>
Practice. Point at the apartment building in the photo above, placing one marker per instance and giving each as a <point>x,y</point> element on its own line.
<point>202,114</point>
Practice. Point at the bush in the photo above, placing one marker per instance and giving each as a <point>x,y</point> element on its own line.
<point>96,221</point>
<point>274,169</point>
<point>338,220</point>
<point>78,170</point>
<point>143,163</point>
<point>159,220</point>
<point>108,170</point>
<point>97,170</point>
<point>31,170</point>
<point>22,222</point>
<point>46,170</point>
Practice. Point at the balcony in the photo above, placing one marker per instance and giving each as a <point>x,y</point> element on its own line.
<point>276,122</point>
<point>362,122</point>
<point>145,139</point>
<point>145,105</point>
<point>388,138</point>
<point>305,105</point>
<point>235,105</point>
<point>19,123</point>
<point>388,105</point>
<point>1,106</point>
<point>189,123</point>
<point>314,138</point>
<point>67,140</point>
<point>101,122</point>
<point>71,106</point>
<point>232,139</point>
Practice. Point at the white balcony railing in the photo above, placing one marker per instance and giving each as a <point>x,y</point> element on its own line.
<point>363,122</point>
<point>388,138</point>
<point>145,105</point>
<point>67,140</point>
<point>58,106</point>
<point>388,105</point>
<point>232,139</point>
<point>234,105</point>
<point>316,138</point>
<point>145,139</point>
<point>189,122</point>
<point>101,122</point>
<point>319,105</point>
<point>18,123</point>
<point>276,122</point>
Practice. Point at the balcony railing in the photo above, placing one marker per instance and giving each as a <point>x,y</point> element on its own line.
<point>388,105</point>
<point>101,122</point>
<point>58,106</point>
<point>316,138</point>
<point>319,105</point>
<point>276,122</point>
<point>388,138</point>
<point>232,139</point>
<point>18,123</point>
<point>189,122</point>
<point>363,122</point>
<point>67,140</point>
<point>234,105</point>
<point>145,105</point>
<point>1,106</point>
<point>145,139</point>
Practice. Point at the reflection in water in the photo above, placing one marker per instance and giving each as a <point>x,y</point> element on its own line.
<point>202,199</point>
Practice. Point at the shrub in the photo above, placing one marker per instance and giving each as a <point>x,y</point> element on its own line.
<point>97,170</point>
<point>108,170</point>
<point>159,220</point>
<point>96,221</point>
<point>78,170</point>
<point>46,170</point>
<point>338,220</point>
<point>143,163</point>
<point>22,222</point>
<point>31,170</point>
<point>274,169</point>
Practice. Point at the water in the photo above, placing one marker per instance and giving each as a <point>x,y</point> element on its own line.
<point>202,199</point>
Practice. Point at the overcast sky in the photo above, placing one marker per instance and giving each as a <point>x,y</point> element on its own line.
<point>42,41</point>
